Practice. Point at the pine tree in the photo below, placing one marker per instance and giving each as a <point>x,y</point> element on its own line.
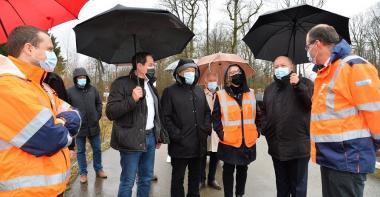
<point>3,50</point>
<point>61,64</point>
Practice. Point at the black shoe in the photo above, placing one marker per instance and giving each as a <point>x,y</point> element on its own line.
<point>239,195</point>
<point>155,178</point>
<point>202,184</point>
<point>214,185</point>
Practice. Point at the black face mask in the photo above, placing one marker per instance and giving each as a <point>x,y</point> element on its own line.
<point>150,73</point>
<point>237,79</point>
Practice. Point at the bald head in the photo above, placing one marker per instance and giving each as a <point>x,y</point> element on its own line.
<point>211,77</point>
<point>283,61</point>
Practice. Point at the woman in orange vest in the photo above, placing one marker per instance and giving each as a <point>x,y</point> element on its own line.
<point>233,119</point>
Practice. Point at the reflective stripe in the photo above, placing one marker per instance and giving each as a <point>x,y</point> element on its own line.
<point>330,113</point>
<point>238,122</point>
<point>363,82</point>
<point>334,115</point>
<point>348,135</point>
<point>34,181</point>
<point>34,125</point>
<point>64,107</point>
<point>8,67</point>
<point>374,106</point>
<point>225,104</point>
<point>330,94</point>
<point>4,145</point>
<point>376,136</point>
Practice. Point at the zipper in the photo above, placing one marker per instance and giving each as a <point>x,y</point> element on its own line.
<point>242,122</point>
<point>64,156</point>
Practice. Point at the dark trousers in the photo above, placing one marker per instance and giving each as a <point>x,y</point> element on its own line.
<point>337,183</point>
<point>179,166</point>
<point>211,168</point>
<point>228,179</point>
<point>291,177</point>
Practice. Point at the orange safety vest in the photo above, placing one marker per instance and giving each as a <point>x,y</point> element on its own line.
<point>234,117</point>
<point>25,105</point>
<point>345,115</point>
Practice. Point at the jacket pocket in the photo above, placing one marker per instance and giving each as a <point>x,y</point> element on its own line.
<point>130,138</point>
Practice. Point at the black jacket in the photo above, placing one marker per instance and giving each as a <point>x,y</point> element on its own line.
<point>87,100</point>
<point>187,118</point>
<point>57,84</point>
<point>129,117</point>
<point>229,154</point>
<point>286,118</point>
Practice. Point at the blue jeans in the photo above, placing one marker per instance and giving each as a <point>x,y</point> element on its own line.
<point>140,163</point>
<point>96,153</point>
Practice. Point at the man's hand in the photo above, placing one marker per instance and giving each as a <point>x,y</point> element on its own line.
<point>378,153</point>
<point>158,145</point>
<point>60,121</point>
<point>137,93</point>
<point>72,154</point>
<point>294,79</point>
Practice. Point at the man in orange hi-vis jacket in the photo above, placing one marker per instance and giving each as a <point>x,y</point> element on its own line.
<point>35,126</point>
<point>345,129</point>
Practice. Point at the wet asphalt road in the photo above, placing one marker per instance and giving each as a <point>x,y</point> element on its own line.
<point>260,181</point>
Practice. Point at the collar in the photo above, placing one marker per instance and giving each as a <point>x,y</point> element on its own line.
<point>31,72</point>
<point>208,92</point>
<point>327,62</point>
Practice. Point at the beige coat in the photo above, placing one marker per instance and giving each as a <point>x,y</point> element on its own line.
<point>213,140</point>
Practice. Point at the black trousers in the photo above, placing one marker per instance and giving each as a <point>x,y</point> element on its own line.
<point>228,179</point>
<point>291,177</point>
<point>179,166</point>
<point>337,183</point>
<point>211,167</point>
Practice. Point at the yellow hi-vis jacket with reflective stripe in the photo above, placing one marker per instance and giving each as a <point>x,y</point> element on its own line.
<point>34,160</point>
<point>238,122</point>
<point>345,115</point>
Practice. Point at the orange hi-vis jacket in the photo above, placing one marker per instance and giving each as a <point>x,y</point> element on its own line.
<point>34,160</point>
<point>238,122</point>
<point>345,115</point>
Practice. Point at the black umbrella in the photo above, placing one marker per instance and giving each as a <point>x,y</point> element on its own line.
<point>284,32</point>
<point>116,35</point>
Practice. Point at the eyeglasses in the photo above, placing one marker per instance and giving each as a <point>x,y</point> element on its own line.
<point>232,73</point>
<point>307,47</point>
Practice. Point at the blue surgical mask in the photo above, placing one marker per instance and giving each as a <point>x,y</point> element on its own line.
<point>189,77</point>
<point>212,85</point>
<point>50,62</point>
<point>281,72</point>
<point>82,82</point>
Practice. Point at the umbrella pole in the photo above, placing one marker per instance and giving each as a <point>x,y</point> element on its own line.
<point>134,47</point>
<point>3,27</point>
<point>294,48</point>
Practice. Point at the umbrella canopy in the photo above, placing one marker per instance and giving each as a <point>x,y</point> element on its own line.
<point>284,32</point>
<point>173,65</point>
<point>43,14</point>
<point>218,63</point>
<point>116,35</point>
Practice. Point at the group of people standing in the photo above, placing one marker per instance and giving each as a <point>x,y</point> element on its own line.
<point>332,120</point>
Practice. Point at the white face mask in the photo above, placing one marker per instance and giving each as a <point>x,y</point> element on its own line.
<point>311,59</point>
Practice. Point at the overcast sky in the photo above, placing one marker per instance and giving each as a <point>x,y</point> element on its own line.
<point>66,36</point>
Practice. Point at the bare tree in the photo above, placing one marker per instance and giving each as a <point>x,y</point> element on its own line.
<point>208,10</point>
<point>290,3</point>
<point>187,11</point>
<point>240,13</point>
